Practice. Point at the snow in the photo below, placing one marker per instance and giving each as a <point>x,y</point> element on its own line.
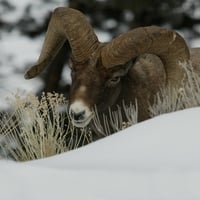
<point>192,7</point>
<point>18,52</point>
<point>155,159</point>
<point>38,8</point>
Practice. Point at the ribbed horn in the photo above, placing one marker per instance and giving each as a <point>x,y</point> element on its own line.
<point>166,44</point>
<point>66,24</point>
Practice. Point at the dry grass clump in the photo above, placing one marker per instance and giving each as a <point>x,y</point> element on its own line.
<point>39,128</point>
<point>113,122</point>
<point>171,99</point>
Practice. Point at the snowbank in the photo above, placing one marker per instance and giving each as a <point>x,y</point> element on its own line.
<point>155,159</point>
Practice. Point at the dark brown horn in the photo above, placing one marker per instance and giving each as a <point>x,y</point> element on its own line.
<point>166,44</point>
<point>66,24</point>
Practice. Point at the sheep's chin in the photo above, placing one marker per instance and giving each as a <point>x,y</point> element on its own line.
<point>82,123</point>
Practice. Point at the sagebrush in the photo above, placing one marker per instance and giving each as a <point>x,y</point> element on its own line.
<point>40,127</point>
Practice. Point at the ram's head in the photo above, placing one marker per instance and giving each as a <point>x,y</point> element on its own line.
<point>100,71</point>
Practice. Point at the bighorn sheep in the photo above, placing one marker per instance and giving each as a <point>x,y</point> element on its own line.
<point>132,66</point>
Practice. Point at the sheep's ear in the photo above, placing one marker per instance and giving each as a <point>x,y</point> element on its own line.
<point>122,70</point>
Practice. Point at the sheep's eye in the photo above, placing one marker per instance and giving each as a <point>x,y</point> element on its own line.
<point>113,81</point>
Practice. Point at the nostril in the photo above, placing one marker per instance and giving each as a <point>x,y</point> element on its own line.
<point>77,116</point>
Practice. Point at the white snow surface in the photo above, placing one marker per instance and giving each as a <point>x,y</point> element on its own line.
<point>19,52</point>
<point>38,8</point>
<point>153,160</point>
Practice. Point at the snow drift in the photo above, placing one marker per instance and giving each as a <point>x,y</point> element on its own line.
<point>155,159</point>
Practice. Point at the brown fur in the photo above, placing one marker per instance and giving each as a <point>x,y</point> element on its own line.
<point>133,66</point>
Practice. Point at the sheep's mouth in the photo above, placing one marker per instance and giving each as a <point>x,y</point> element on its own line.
<point>82,123</point>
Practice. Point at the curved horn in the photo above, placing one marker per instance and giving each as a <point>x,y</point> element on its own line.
<point>166,44</point>
<point>66,24</point>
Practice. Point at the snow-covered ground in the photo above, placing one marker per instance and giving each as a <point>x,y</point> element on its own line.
<point>155,159</point>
